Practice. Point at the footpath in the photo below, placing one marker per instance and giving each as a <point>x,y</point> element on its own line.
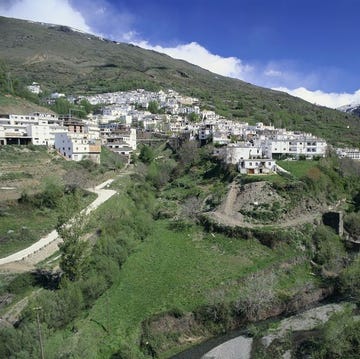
<point>48,245</point>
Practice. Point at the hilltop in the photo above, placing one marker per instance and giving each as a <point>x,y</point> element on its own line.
<point>65,60</point>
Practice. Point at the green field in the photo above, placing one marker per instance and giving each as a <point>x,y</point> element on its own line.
<point>171,270</point>
<point>298,169</point>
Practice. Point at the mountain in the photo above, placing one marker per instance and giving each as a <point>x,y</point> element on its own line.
<point>65,60</point>
<point>353,109</point>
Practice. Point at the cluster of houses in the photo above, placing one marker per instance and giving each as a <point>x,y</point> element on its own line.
<point>125,117</point>
<point>74,140</point>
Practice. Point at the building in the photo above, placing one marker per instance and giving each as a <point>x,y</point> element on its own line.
<point>77,146</point>
<point>34,88</point>
<point>235,152</point>
<point>37,129</point>
<point>122,141</point>
<point>353,153</point>
<point>296,145</point>
<point>257,166</point>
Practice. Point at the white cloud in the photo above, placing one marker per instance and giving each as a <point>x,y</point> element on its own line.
<point>332,100</point>
<point>198,55</point>
<point>273,73</point>
<point>270,75</point>
<point>49,11</point>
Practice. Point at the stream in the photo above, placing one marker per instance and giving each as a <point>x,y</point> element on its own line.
<point>237,345</point>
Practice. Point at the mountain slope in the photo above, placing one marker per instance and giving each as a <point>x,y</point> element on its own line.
<point>62,59</point>
<point>353,109</point>
<point>13,104</point>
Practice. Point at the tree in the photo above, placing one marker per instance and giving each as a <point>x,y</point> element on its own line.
<point>146,154</point>
<point>153,107</point>
<point>73,249</point>
<point>86,105</point>
<point>189,153</point>
<point>193,117</point>
<point>62,106</point>
<point>53,190</point>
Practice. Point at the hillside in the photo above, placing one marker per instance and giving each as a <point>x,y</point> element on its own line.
<point>14,104</point>
<point>62,59</point>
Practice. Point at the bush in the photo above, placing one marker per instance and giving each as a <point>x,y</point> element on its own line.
<point>350,280</point>
<point>352,224</point>
<point>330,251</point>
<point>92,288</point>
<point>61,307</point>
<point>21,283</point>
<point>339,338</point>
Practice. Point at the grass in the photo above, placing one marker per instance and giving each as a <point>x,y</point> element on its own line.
<point>298,168</point>
<point>14,104</point>
<point>21,224</point>
<point>170,270</point>
<point>18,155</point>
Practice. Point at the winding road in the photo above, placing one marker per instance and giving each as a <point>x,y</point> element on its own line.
<point>48,245</point>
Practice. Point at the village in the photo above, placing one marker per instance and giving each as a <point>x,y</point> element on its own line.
<point>139,116</point>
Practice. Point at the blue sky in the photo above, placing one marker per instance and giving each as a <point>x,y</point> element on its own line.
<point>307,48</point>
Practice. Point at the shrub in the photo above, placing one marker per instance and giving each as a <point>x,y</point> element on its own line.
<point>330,251</point>
<point>352,224</point>
<point>92,288</point>
<point>350,280</point>
<point>21,283</point>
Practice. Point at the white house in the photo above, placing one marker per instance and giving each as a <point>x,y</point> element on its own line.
<point>77,146</point>
<point>37,129</point>
<point>257,166</point>
<point>297,144</point>
<point>122,141</point>
<point>353,153</point>
<point>34,88</point>
<point>236,152</point>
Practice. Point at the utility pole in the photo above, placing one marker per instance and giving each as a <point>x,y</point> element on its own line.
<point>39,332</point>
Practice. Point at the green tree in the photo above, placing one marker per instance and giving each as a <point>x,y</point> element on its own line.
<point>86,105</point>
<point>153,107</point>
<point>146,154</point>
<point>73,250</point>
<point>53,191</point>
<point>193,117</point>
<point>62,106</point>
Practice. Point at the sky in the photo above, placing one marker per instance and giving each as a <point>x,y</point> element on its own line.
<point>308,48</point>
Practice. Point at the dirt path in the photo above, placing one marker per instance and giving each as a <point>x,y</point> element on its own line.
<point>27,258</point>
<point>11,316</point>
<point>227,214</point>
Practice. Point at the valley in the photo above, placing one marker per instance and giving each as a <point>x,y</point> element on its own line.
<point>198,206</point>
